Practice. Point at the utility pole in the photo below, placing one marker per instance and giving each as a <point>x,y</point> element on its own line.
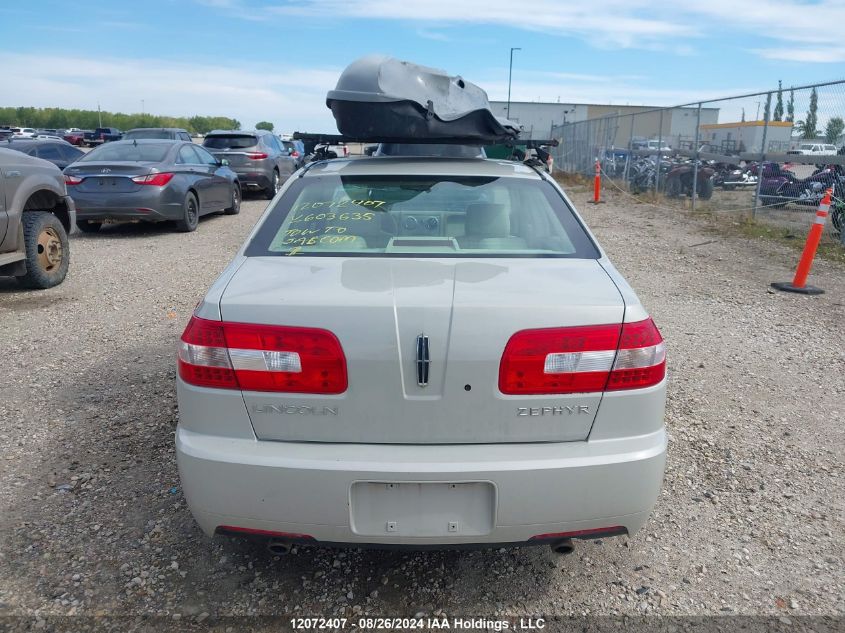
<point>99,116</point>
<point>510,76</point>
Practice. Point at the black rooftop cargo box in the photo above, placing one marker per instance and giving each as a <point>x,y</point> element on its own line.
<point>380,98</point>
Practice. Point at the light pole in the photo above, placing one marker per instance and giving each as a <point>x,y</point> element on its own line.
<point>510,75</point>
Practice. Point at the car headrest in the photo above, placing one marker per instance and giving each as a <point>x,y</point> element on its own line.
<point>485,219</point>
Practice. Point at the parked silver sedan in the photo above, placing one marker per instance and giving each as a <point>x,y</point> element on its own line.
<point>421,352</point>
<point>150,181</point>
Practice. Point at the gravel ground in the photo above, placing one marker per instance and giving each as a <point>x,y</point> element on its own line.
<point>750,520</point>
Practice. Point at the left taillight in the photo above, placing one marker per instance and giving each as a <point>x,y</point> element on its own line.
<point>72,180</point>
<point>261,357</point>
<point>156,180</point>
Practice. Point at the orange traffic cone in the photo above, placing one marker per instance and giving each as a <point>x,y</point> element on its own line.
<point>597,185</point>
<point>799,282</point>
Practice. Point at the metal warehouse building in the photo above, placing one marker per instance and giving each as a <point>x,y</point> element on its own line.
<point>542,120</point>
<point>746,136</point>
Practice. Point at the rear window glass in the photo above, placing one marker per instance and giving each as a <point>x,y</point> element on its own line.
<point>154,134</point>
<point>434,149</point>
<point>229,141</point>
<point>142,152</point>
<point>431,216</point>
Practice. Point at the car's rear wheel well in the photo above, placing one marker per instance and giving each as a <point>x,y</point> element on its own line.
<point>46,200</point>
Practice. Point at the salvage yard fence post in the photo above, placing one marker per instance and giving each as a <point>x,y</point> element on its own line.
<point>762,157</point>
<point>697,157</point>
<point>659,148</point>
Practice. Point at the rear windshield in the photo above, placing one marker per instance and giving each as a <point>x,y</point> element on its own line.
<point>433,149</point>
<point>154,134</point>
<point>230,141</point>
<point>142,152</point>
<point>430,216</point>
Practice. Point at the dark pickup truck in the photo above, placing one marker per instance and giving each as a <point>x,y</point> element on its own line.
<point>102,135</point>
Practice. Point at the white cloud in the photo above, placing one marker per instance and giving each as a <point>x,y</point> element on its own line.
<point>288,96</point>
<point>607,22</point>
<point>433,35</point>
<point>826,55</point>
<point>675,27</point>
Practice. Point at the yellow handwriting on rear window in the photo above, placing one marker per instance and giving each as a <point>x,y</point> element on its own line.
<point>331,216</point>
<point>339,204</point>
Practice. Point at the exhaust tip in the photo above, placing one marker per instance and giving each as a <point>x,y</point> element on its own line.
<point>279,548</point>
<point>563,547</point>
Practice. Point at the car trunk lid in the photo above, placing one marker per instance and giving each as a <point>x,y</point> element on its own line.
<point>378,308</point>
<point>108,177</point>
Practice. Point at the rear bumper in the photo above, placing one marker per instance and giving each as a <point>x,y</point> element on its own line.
<point>307,488</point>
<point>254,179</point>
<point>152,206</point>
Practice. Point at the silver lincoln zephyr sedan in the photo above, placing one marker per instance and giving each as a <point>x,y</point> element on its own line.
<point>421,352</point>
<point>150,181</point>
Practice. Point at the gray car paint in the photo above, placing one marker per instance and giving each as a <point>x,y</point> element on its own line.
<point>255,174</point>
<point>21,176</point>
<point>108,192</point>
<point>159,133</point>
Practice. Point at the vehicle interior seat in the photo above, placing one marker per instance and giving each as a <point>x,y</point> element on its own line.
<point>376,232</point>
<point>488,226</point>
<point>536,228</point>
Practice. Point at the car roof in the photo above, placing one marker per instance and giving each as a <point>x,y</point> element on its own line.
<point>416,166</point>
<point>161,129</point>
<point>29,142</point>
<point>242,132</point>
<point>148,141</point>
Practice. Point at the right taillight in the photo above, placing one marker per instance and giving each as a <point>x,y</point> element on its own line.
<point>261,357</point>
<point>157,180</point>
<point>583,359</point>
<point>641,359</point>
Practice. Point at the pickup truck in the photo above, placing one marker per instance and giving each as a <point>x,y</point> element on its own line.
<point>814,149</point>
<point>36,215</point>
<point>102,135</point>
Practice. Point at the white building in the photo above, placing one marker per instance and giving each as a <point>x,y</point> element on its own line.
<point>538,119</point>
<point>746,136</point>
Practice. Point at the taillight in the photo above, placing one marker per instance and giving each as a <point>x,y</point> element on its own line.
<point>256,155</point>
<point>157,180</point>
<point>261,357</point>
<point>72,180</point>
<point>295,154</point>
<point>583,359</point>
<point>641,359</point>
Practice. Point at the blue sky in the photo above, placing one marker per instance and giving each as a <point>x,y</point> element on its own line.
<point>275,60</point>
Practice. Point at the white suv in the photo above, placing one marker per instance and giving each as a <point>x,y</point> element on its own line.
<point>417,352</point>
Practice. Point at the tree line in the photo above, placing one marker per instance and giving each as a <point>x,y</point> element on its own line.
<point>62,118</point>
<point>807,128</point>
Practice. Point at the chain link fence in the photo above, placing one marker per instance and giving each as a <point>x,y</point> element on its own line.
<point>769,155</point>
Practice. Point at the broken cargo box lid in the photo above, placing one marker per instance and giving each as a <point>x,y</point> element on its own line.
<point>380,98</point>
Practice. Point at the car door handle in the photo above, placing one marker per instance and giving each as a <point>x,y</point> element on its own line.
<point>13,174</point>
